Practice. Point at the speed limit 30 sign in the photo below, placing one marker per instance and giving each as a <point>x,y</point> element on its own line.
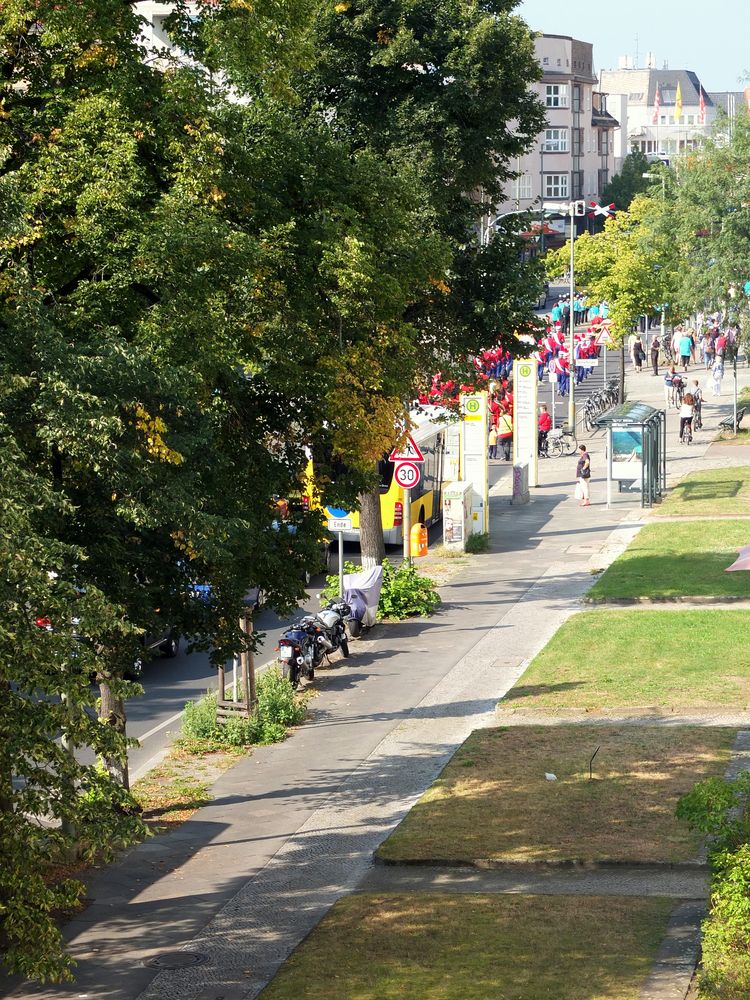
<point>407,474</point>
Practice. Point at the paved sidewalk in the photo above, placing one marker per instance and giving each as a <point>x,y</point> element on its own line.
<point>293,827</point>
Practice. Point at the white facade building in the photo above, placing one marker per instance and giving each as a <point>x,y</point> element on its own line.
<point>672,124</point>
<point>574,155</point>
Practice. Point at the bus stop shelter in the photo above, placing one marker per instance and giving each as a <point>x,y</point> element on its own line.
<point>636,450</point>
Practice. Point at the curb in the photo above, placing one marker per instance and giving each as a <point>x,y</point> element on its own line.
<point>542,867</point>
<point>629,602</point>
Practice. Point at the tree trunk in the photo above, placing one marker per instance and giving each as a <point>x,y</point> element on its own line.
<point>371,541</point>
<point>112,712</point>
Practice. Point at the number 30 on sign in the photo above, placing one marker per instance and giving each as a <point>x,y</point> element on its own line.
<point>407,475</point>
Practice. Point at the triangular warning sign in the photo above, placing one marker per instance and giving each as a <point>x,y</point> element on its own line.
<point>407,452</point>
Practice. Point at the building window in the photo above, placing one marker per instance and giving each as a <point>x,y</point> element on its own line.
<point>603,142</point>
<point>545,61</point>
<point>577,137</point>
<point>524,189</point>
<point>556,140</point>
<point>555,185</point>
<point>663,119</point>
<point>556,95</point>
<point>577,184</point>
<point>691,119</point>
<point>576,98</point>
<point>603,178</point>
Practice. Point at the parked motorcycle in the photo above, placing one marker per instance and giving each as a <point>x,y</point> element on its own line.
<point>334,617</point>
<point>362,593</point>
<point>303,645</point>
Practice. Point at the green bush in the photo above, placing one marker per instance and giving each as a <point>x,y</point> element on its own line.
<point>277,708</point>
<point>713,808</point>
<point>406,592</point>
<point>717,808</point>
<point>477,543</point>
<point>725,973</point>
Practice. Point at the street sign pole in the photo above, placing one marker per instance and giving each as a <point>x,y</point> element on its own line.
<point>407,525</point>
<point>341,563</point>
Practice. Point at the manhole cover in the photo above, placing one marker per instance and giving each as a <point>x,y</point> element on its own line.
<point>176,960</point>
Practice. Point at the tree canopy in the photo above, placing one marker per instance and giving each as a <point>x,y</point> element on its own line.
<point>210,266</point>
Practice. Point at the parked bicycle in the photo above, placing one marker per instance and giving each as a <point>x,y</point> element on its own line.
<point>562,442</point>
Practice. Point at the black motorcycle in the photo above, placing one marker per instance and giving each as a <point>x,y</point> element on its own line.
<point>303,645</point>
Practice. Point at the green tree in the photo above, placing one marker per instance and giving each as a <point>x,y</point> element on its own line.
<point>630,181</point>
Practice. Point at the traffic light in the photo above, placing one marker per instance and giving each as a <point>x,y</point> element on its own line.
<point>579,208</point>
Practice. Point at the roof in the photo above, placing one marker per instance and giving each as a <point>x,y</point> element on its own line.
<point>726,98</point>
<point>635,414</point>
<point>667,80</point>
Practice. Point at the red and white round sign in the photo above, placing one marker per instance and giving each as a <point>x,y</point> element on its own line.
<point>407,474</point>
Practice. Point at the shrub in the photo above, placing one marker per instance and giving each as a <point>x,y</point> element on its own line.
<point>713,808</point>
<point>477,543</point>
<point>725,973</point>
<point>406,592</point>
<point>199,718</point>
<point>277,708</point>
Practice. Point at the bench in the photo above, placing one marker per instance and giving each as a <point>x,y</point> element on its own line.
<point>728,424</point>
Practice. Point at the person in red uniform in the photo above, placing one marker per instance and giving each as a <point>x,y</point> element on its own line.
<point>545,426</point>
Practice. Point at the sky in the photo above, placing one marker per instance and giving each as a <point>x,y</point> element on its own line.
<point>708,38</point>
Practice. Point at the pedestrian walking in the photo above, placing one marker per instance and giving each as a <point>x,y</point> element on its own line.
<point>583,475</point>
<point>639,354</point>
<point>492,442</point>
<point>655,345</point>
<point>687,411</point>
<point>717,374</point>
<point>687,348</point>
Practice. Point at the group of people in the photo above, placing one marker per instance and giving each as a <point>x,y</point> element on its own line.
<point>500,413</point>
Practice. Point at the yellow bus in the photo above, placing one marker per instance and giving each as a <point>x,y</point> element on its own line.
<point>438,442</point>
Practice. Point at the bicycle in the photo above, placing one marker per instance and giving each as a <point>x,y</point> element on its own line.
<point>562,442</point>
<point>698,418</point>
<point>687,432</point>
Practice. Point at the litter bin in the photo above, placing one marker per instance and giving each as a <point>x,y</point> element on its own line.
<point>418,541</point>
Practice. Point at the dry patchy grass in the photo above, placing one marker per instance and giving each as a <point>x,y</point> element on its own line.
<point>170,793</point>
<point>493,801</point>
<point>475,947</point>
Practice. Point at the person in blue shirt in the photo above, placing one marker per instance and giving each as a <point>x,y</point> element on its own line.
<point>687,348</point>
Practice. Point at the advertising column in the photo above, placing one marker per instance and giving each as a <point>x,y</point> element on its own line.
<point>525,382</point>
<point>473,451</point>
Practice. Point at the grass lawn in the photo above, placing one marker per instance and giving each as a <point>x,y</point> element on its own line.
<point>641,659</point>
<point>713,491</point>
<point>493,801</point>
<point>435,946</point>
<point>678,558</point>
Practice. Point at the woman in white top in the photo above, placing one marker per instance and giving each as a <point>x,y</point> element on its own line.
<point>686,413</point>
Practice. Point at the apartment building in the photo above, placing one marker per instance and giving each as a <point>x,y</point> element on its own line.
<point>573,158</point>
<point>665,113</point>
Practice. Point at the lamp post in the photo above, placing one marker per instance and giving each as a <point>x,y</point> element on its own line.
<point>572,325</point>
